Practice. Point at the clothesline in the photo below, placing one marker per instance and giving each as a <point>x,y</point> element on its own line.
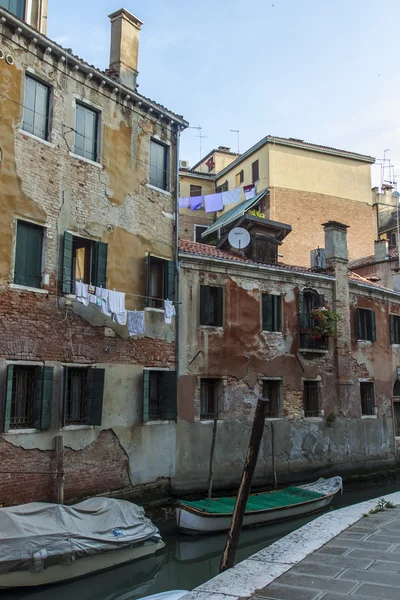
<point>217,202</point>
<point>133,295</point>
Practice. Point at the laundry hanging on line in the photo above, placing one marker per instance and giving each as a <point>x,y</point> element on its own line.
<point>231,197</point>
<point>213,202</point>
<point>184,202</point>
<point>136,323</point>
<point>169,311</point>
<point>196,202</point>
<point>249,191</point>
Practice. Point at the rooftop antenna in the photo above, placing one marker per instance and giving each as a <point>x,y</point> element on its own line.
<point>383,168</point>
<point>238,137</point>
<point>201,136</point>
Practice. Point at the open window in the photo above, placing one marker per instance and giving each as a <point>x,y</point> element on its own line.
<point>160,281</point>
<point>210,392</point>
<point>271,312</point>
<point>159,395</point>
<point>29,396</point>
<point>365,324</point>
<point>271,392</point>
<point>83,260</point>
<point>83,396</point>
<point>211,306</point>
<point>308,301</point>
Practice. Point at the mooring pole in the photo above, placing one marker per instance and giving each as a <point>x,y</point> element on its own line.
<point>210,472</point>
<point>228,557</point>
<point>273,456</point>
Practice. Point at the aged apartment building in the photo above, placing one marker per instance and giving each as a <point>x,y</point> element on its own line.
<point>88,191</point>
<point>334,401</point>
<point>307,185</point>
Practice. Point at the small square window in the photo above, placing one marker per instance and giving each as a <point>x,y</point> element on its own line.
<point>28,255</point>
<point>366,328</point>
<point>271,312</point>
<point>271,392</point>
<point>198,230</point>
<point>211,305</point>
<point>210,390</point>
<point>87,132</point>
<point>367,398</point>
<point>310,399</point>
<point>159,165</point>
<point>36,108</point>
<point>195,190</point>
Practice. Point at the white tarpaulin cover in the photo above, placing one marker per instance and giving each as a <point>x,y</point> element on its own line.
<point>36,534</point>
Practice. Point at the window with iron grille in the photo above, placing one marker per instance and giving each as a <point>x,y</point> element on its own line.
<point>211,305</point>
<point>87,132</point>
<point>310,399</point>
<point>394,328</point>
<point>17,7</point>
<point>83,396</point>
<point>23,398</point>
<point>255,171</point>
<point>28,255</point>
<point>159,165</point>
<point>308,301</point>
<point>271,392</point>
<point>159,395</point>
<point>365,322</point>
<point>209,395</point>
<point>367,398</point>
<point>36,107</point>
<point>195,190</point>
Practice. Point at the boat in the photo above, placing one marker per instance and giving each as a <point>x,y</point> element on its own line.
<point>44,543</point>
<point>172,595</point>
<point>215,514</point>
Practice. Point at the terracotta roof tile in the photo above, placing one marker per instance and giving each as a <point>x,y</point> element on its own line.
<point>370,260</point>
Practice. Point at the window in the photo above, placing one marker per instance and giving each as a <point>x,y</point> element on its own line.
<point>396,407</point>
<point>308,300</point>
<point>392,240</point>
<point>310,399</point>
<point>367,398</point>
<point>366,328</point>
<point>36,108</point>
<point>83,396</point>
<point>160,281</point>
<point>211,305</point>
<point>198,230</point>
<point>263,251</point>
<point>195,190</point>
<point>255,175</point>
<point>17,7</point>
<point>222,188</point>
<point>87,132</point>
<point>28,255</point>
<point>394,328</point>
<point>29,396</point>
<point>271,392</point>
<point>159,395</point>
<point>84,260</point>
<point>159,167</point>
<point>209,395</point>
<point>239,178</point>
<point>271,312</point>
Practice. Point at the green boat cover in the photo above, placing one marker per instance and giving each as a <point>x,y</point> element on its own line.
<point>256,502</point>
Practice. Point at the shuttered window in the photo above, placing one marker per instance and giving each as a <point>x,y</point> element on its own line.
<point>28,255</point>
<point>160,281</point>
<point>87,132</point>
<point>195,190</point>
<point>29,396</point>
<point>367,398</point>
<point>83,396</point>
<point>394,329</point>
<point>310,399</point>
<point>271,312</point>
<point>159,395</point>
<point>17,7</point>
<point>255,174</point>
<point>271,392</point>
<point>365,323</point>
<point>211,305</point>
<point>83,260</point>
<point>159,165</point>
<point>222,188</point>
<point>36,108</point>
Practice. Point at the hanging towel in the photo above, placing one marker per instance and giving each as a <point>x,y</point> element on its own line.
<point>116,301</point>
<point>231,196</point>
<point>120,317</point>
<point>184,202</point>
<point>249,191</point>
<point>213,202</point>
<point>196,202</point>
<point>102,294</point>
<point>169,311</point>
<point>82,292</point>
<point>135,322</point>
<point>92,299</point>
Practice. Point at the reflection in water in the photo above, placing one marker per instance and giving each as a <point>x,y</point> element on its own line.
<point>187,561</point>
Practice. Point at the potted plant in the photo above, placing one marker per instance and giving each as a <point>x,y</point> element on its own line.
<point>322,323</point>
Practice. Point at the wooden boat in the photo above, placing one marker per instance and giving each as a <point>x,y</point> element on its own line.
<point>49,543</point>
<point>215,514</point>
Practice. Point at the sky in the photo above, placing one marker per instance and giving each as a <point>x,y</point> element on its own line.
<point>325,71</point>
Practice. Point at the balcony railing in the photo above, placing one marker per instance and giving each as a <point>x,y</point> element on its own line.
<point>309,343</point>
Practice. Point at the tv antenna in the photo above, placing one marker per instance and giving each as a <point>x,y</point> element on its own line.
<point>201,137</point>
<point>238,137</point>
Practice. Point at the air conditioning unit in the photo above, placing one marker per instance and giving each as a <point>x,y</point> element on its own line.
<point>317,258</point>
<point>184,164</point>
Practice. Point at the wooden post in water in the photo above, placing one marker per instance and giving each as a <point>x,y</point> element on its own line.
<point>228,557</point>
<point>273,456</point>
<point>59,441</point>
<point>210,472</point>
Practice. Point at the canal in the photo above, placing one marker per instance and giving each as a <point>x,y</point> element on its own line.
<point>186,562</point>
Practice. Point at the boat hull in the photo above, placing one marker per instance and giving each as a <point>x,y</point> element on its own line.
<point>191,523</point>
<point>79,568</point>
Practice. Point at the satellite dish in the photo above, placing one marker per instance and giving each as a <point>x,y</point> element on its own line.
<point>239,238</point>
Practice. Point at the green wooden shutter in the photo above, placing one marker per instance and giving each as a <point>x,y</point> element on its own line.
<point>391,329</point>
<point>146,393</point>
<point>220,307</point>
<point>170,280</point>
<point>47,398</point>
<point>302,320</point>
<point>321,301</point>
<point>359,332</point>
<point>28,255</point>
<point>9,397</point>
<point>99,275</point>
<point>169,403</point>
<point>148,280</point>
<point>94,400</point>
<point>267,312</point>
<point>205,305</point>
<point>277,305</point>
<point>373,326</point>
<point>37,404</point>
<point>65,397</point>
<point>68,283</point>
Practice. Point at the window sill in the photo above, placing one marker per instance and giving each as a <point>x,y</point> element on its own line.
<point>369,416</point>
<point>213,327</point>
<point>94,163</point>
<point>364,342</point>
<point>154,309</point>
<point>313,351</point>
<point>26,288</point>
<point>76,427</point>
<point>157,189</point>
<point>314,419</point>
<point>21,431</point>
<point>269,332</point>
<point>209,421</point>
<point>36,138</point>
<point>278,418</point>
<point>150,423</point>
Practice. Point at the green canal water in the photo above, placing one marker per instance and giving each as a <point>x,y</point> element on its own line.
<point>186,562</point>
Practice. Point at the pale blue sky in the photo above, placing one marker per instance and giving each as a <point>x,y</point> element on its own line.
<point>321,70</point>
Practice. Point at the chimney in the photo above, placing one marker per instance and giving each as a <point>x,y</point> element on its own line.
<point>381,250</point>
<point>125,31</point>
<point>335,241</point>
<point>396,282</point>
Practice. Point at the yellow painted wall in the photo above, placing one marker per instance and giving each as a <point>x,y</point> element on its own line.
<point>208,186</point>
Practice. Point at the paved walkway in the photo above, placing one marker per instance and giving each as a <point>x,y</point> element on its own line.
<point>362,562</point>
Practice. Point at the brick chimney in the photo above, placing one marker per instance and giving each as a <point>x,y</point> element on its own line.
<point>124,52</point>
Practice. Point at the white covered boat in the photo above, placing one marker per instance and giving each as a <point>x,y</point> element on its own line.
<point>48,543</point>
<point>215,514</point>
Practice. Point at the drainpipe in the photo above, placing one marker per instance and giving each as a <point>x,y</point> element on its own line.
<point>177,265</point>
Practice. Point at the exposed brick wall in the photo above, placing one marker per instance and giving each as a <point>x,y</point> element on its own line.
<point>187,223</point>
